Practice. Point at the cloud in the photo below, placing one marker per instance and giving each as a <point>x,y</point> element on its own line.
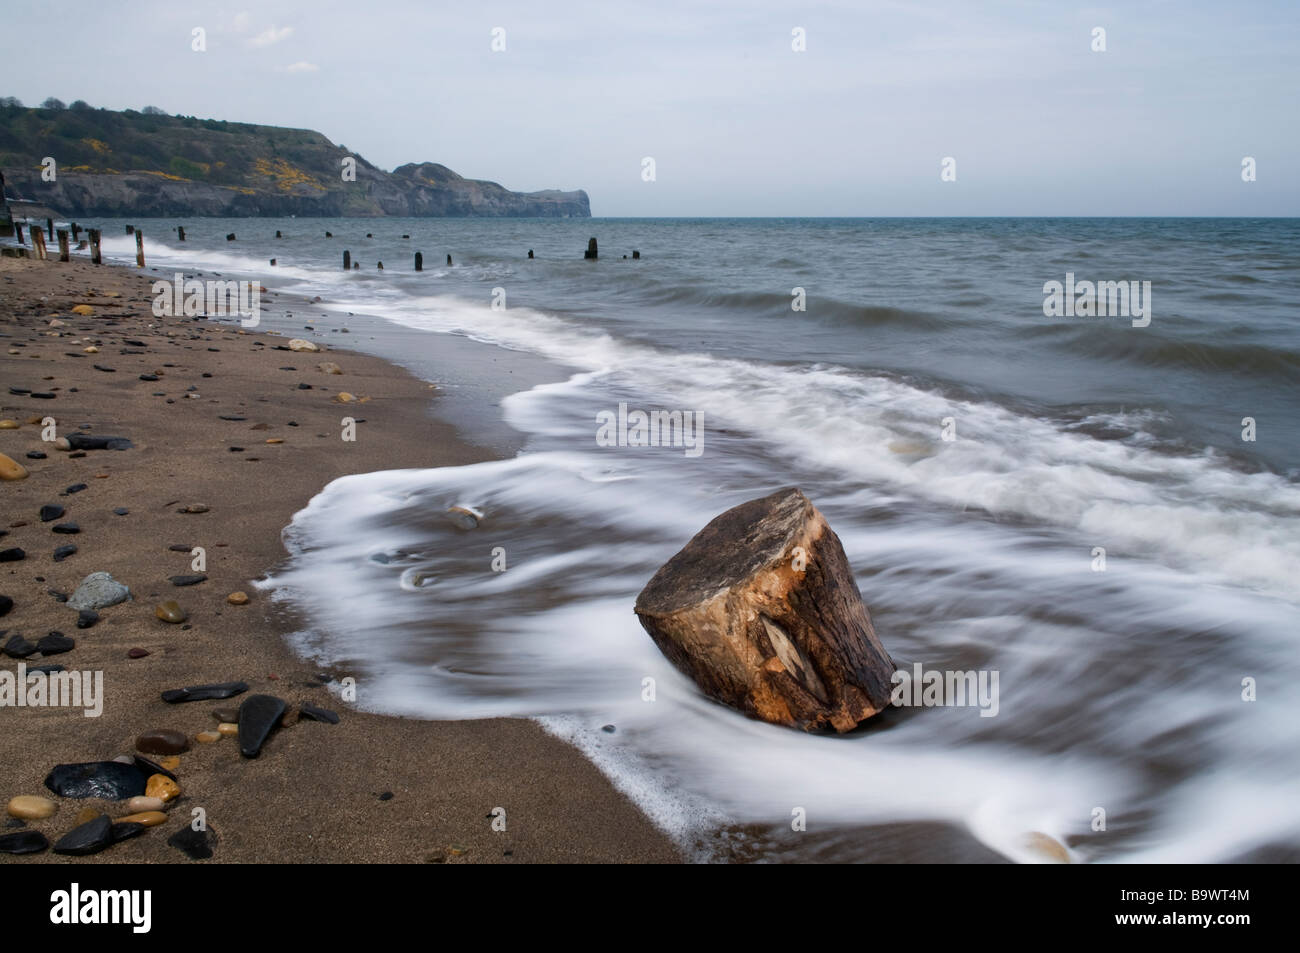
<point>270,36</point>
<point>301,67</point>
<point>242,21</point>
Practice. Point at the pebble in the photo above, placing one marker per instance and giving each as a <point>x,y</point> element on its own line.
<point>125,830</point>
<point>298,344</point>
<point>197,845</point>
<point>67,529</point>
<point>308,710</point>
<point>56,643</point>
<point>187,580</point>
<point>142,803</point>
<point>198,693</point>
<point>86,618</point>
<point>87,814</point>
<point>97,591</point>
<point>23,842</point>
<point>170,611</point>
<point>137,653</point>
<point>329,367</point>
<point>12,555</point>
<point>9,424</point>
<point>1048,849</point>
<point>63,552</point>
<point>226,714</point>
<point>18,647</point>
<point>162,787</point>
<point>50,512</point>
<point>11,469</point>
<point>227,728</point>
<point>207,737</point>
<point>258,716</point>
<point>35,455</point>
<point>6,603</point>
<point>170,763</point>
<point>31,807</point>
<point>120,511</point>
<point>194,508</point>
<point>110,780</point>
<point>162,741</point>
<point>466,517</point>
<point>89,838</point>
<point>237,598</point>
<point>144,818</point>
<point>180,547</point>
<point>83,309</point>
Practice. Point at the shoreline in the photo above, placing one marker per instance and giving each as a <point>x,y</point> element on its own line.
<point>317,792</point>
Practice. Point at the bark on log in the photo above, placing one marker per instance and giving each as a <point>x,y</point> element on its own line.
<point>761,610</point>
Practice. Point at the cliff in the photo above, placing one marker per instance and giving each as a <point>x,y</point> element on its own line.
<point>148,164</point>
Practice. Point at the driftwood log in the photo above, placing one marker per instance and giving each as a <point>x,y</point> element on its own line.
<point>761,610</point>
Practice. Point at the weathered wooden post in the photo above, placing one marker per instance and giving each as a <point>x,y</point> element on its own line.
<point>49,225</point>
<point>590,253</point>
<point>18,229</point>
<point>180,233</point>
<point>94,245</point>
<point>272,262</point>
<point>347,260</point>
<point>139,249</point>
<point>530,253</point>
<point>130,229</point>
<point>277,233</point>
<point>63,244</point>
<point>230,237</point>
<point>38,242</point>
<point>381,266</point>
<point>329,234</point>
<point>419,261</point>
<point>76,232</point>
<point>635,253</point>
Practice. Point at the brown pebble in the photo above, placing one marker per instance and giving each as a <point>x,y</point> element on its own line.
<point>137,653</point>
<point>237,598</point>
<point>147,818</point>
<point>162,787</point>
<point>228,728</point>
<point>207,737</point>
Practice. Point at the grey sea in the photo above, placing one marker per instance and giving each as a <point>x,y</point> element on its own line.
<point>1103,509</point>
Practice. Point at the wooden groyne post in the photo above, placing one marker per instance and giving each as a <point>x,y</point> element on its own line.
<point>63,244</point>
<point>180,233</point>
<point>49,225</point>
<point>139,249</point>
<point>347,261</point>
<point>590,253</point>
<point>38,242</point>
<point>94,233</point>
<point>419,261</point>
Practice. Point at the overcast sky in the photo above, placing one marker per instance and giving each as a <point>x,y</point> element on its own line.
<point>738,123</point>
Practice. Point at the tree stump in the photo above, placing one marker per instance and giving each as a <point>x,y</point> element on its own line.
<point>761,610</point>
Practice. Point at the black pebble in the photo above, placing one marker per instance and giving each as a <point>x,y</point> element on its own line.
<point>121,511</point>
<point>86,617</point>
<point>196,845</point>
<point>56,643</point>
<point>198,693</point>
<point>386,796</point>
<point>67,529</point>
<point>35,455</point>
<point>12,555</point>
<point>187,580</point>
<point>18,647</point>
<point>6,603</point>
<point>180,547</point>
<point>608,729</point>
<point>23,842</point>
<point>75,488</point>
<point>307,710</point>
<point>63,552</point>
<point>50,511</point>
<point>258,717</point>
<point>110,780</point>
<point>90,838</point>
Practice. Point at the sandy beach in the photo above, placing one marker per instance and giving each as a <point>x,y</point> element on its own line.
<point>369,789</point>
